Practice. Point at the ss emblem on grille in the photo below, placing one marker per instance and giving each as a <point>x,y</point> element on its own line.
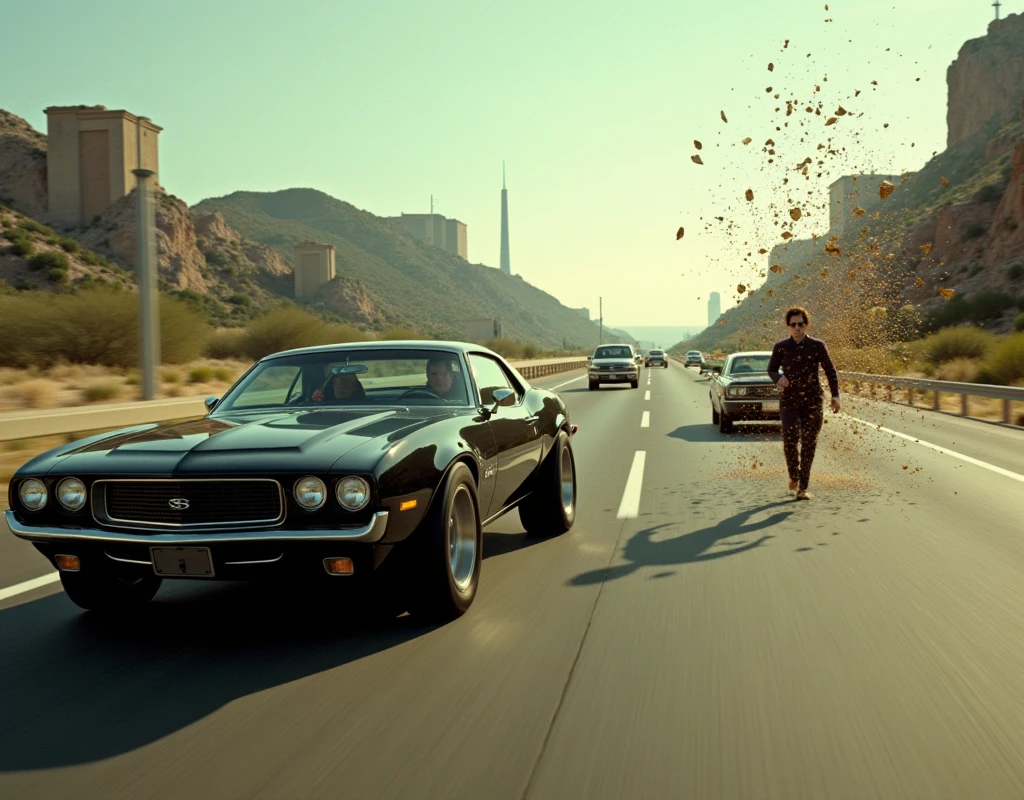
<point>179,503</point>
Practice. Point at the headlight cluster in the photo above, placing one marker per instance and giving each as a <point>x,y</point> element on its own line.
<point>739,391</point>
<point>71,494</point>
<point>351,493</point>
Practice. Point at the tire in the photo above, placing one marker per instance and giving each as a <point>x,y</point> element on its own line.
<point>550,510</point>
<point>634,384</point>
<point>714,415</point>
<point>107,592</point>
<point>593,386</point>
<point>724,423</point>
<point>449,533</point>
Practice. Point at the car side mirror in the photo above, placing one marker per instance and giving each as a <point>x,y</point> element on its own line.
<point>210,402</point>
<point>716,370</point>
<point>502,397</point>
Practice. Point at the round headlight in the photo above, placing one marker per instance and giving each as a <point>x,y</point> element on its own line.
<point>310,493</point>
<point>352,493</point>
<point>32,494</point>
<point>71,494</point>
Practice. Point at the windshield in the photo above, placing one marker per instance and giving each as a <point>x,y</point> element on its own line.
<point>613,352</point>
<point>745,364</point>
<point>352,377</point>
<point>657,353</point>
<point>693,353</point>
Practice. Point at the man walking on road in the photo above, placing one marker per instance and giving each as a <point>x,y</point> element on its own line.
<point>800,395</point>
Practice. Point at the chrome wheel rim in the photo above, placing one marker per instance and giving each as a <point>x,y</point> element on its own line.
<point>462,539</point>
<point>567,478</point>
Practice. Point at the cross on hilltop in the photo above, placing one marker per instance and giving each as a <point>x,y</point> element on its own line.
<point>997,5</point>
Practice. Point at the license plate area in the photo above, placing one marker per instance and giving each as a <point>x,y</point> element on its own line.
<point>182,562</point>
<point>770,405</point>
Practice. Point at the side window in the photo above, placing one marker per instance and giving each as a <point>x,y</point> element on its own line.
<point>489,376</point>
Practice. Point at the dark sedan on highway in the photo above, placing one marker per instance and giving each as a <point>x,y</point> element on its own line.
<point>742,391</point>
<point>344,466</point>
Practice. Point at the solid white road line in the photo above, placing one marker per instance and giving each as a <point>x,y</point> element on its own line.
<point>629,508</point>
<point>28,586</point>
<point>645,420</point>
<point>998,470</point>
<point>648,395</point>
<point>553,388</point>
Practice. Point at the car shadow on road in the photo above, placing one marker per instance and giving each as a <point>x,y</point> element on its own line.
<point>743,434</point>
<point>77,689</point>
<point>643,550</point>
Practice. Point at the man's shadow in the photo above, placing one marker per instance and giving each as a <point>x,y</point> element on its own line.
<point>691,548</point>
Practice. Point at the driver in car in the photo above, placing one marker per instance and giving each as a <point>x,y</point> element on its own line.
<point>345,388</point>
<point>441,379</point>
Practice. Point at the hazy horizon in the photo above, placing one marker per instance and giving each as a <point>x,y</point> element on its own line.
<point>595,113</point>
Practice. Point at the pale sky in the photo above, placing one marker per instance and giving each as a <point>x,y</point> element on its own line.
<point>593,105</point>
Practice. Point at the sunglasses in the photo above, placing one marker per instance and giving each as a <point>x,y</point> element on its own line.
<point>797,324</point>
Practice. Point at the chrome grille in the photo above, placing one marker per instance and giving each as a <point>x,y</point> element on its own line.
<point>211,503</point>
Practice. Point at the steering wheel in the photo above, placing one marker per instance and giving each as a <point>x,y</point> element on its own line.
<point>418,392</point>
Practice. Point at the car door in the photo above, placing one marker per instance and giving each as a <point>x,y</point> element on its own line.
<point>515,430</point>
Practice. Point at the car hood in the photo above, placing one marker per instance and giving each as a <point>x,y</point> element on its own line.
<point>299,440</point>
<point>748,377</point>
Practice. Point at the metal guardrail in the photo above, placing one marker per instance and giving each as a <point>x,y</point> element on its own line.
<point>76,419</point>
<point>1008,394</point>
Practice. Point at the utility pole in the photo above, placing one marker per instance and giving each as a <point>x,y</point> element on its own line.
<point>600,316</point>
<point>149,311</point>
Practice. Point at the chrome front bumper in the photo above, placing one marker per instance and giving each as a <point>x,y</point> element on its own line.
<point>373,531</point>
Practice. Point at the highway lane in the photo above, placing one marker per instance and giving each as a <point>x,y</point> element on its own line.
<point>725,642</point>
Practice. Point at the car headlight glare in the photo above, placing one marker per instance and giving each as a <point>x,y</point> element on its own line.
<point>352,493</point>
<point>71,494</point>
<point>310,493</point>
<point>33,494</point>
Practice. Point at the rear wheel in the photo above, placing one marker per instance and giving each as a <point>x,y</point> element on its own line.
<point>550,509</point>
<point>107,592</point>
<point>449,550</point>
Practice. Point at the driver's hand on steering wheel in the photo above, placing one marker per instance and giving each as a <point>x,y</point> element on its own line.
<point>318,395</point>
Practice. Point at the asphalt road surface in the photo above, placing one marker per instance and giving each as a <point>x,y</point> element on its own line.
<point>698,633</point>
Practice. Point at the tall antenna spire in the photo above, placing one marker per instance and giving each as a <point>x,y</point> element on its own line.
<point>503,161</point>
<point>506,265</point>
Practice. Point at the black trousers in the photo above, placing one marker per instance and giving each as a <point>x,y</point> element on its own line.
<point>801,425</point>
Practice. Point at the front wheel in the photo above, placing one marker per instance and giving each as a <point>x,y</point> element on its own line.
<point>109,593</point>
<point>449,548</point>
<point>593,386</point>
<point>634,384</point>
<point>550,509</point>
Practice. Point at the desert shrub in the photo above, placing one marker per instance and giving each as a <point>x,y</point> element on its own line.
<point>240,299</point>
<point>51,259</point>
<point>200,374</point>
<point>31,225</point>
<point>1005,361</point>
<point>989,193</point>
<point>1018,324</point>
<point>284,329</point>
<point>26,285</point>
<point>973,231</point>
<point>961,342</point>
<point>58,276</point>
<point>37,393</point>
<point>92,327</point>
<point>21,246</point>
<point>529,351</point>
<point>223,374</point>
<point>505,347</point>
<point>340,333</point>
<point>227,343</point>
<point>989,305</point>
<point>964,370</point>
<point>68,244</point>
<point>101,391</point>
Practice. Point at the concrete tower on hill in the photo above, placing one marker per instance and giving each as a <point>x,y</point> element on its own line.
<point>506,265</point>
<point>714,308</point>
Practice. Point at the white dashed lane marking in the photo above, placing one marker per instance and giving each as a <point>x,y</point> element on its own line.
<point>629,508</point>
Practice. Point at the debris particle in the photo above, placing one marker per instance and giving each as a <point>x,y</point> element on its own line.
<point>696,159</point>
<point>679,234</point>
<point>885,189</point>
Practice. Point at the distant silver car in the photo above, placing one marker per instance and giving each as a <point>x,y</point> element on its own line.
<point>694,358</point>
<point>614,363</point>
<point>657,358</point>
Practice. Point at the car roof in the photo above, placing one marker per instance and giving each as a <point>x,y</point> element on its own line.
<point>750,353</point>
<point>403,344</point>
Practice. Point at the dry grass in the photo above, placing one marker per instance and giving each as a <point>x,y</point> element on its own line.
<point>964,370</point>
<point>984,408</point>
<point>65,385</point>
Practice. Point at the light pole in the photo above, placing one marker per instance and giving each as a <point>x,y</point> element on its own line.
<point>149,316</point>
<point>600,319</point>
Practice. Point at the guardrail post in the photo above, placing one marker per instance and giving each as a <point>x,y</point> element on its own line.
<point>910,395</point>
<point>935,401</point>
<point>1006,410</point>
<point>963,405</point>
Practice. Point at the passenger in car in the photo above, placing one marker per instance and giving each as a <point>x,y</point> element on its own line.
<point>344,388</point>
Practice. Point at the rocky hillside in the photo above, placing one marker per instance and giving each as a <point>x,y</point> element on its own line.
<point>411,283</point>
<point>954,229</point>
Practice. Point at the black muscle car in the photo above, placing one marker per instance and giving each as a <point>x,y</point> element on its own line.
<point>741,390</point>
<point>355,465</point>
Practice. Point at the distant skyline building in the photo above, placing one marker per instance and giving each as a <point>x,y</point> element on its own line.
<point>714,308</point>
<point>506,264</point>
